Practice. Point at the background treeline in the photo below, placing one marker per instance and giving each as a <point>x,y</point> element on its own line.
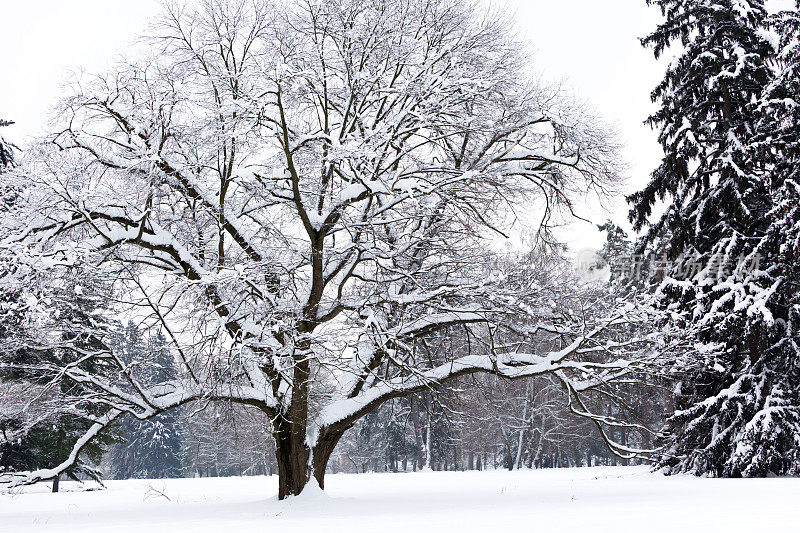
<point>482,422</point>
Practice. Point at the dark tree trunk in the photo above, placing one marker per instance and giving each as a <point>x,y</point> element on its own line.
<point>295,470</point>
<point>623,439</point>
<point>417,436</point>
<point>326,443</point>
<point>291,450</point>
<point>56,481</point>
<point>292,458</point>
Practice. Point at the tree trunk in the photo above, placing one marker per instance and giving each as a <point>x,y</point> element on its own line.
<point>291,449</point>
<point>292,459</point>
<point>518,458</point>
<point>417,436</point>
<point>326,443</point>
<point>509,455</point>
<point>623,439</point>
<point>428,463</point>
<point>520,442</point>
<point>56,481</point>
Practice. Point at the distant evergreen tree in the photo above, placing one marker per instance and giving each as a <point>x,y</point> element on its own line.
<point>724,279</point>
<point>151,448</point>
<point>6,148</point>
<point>617,252</point>
<point>14,454</point>
<point>48,441</point>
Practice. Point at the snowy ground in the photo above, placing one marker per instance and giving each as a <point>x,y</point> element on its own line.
<point>614,499</point>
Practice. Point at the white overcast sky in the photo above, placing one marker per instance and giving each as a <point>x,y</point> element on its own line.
<point>592,45</point>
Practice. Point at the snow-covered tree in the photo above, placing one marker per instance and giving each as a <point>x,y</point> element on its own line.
<point>6,148</point>
<point>616,254</point>
<point>727,286</point>
<point>43,429</point>
<point>150,448</point>
<point>226,439</point>
<point>770,441</point>
<point>487,421</point>
<point>39,428</point>
<point>299,195</point>
<point>14,454</point>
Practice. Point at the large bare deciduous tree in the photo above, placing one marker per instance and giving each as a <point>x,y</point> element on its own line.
<point>298,196</point>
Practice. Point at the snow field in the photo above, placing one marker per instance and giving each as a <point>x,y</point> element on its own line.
<point>617,499</point>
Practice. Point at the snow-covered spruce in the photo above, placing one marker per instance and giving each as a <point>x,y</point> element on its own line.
<point>728,127</point>
<point>149,448</point>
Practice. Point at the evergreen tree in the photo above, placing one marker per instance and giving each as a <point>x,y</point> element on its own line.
<point>771,439</point>
<point>151,448</point>
<point>6,148</point>
<point>616,253</point>
<point>47,440</point>
<point>13,453</point>
<point>719,286</point>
